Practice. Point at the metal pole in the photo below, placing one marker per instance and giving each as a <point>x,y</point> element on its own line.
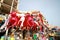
<point>10,12</point>
<point>12,6</point>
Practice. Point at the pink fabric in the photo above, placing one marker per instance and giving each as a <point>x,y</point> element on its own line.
<point>44,38</point>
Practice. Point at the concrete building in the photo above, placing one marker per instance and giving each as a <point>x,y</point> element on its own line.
<point>8,5</point>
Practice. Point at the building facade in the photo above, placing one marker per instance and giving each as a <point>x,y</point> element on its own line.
<point>8,5</point>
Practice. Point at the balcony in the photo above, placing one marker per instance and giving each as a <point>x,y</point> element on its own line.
<point>9,2</point>
<point>6,8</point>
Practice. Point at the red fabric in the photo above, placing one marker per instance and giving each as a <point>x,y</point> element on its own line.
<point>13,20</point>
<point>34,27</point>
<point>41,28</point>
<point>41,20</point>
<point>19,22</point>
<point>42,36</point>
<point>40,15</point>
<point>28,21</point>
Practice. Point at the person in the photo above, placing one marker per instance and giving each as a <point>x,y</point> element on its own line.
<point>51,38</point>
<point>2,22</point>
<point>2,30</point>
<point>24,33</point>
<point>12,36</point>
<point>28,37</point>
<point>13,20</point>
<point>47,37</point>
<point>40,37</point>
<point>2,38</point>
<point>34,36</point>
<point>43,37</point>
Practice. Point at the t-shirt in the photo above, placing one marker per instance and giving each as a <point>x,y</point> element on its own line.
<point>51,38</point>
<point>12,38</point>
<point>35,37</point>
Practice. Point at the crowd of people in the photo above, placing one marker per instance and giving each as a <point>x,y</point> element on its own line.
<point>17,34</point>
<point>26,26</point>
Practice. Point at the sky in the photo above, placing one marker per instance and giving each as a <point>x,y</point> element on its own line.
<point>49,8</point>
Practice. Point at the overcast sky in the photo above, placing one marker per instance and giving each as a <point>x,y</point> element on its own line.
<point>49,8</point>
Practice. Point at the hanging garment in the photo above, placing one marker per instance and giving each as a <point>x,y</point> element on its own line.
<point>28,22</point>
<point>21,20</point>
<point>41,22</point>
<point>13,20</point>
